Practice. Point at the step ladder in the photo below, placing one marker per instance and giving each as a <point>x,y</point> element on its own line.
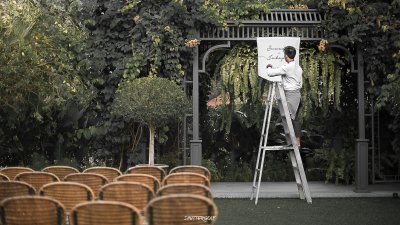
<point>277,93</point>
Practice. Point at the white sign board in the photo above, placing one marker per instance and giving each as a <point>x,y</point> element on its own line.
<point>270,51</point>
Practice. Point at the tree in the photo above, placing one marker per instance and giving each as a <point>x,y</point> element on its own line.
<point>153,101</point>
<point>40,82</point>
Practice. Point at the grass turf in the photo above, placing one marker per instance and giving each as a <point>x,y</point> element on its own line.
<point>338,211</point>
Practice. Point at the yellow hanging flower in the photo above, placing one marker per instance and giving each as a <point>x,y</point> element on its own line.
<point>137,19</point>
<point>322,45</point>
<point>191,43</point>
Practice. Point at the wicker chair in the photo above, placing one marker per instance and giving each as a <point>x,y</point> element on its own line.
<point>109,172</point>
<point>149,180</point>
<point>28,210</point>
<point>93,180</point>
<point>60,171</point>
<point>68,193</point>
<point>149,170</point>
<point>105,213</point>
<point>4,177</point>
<point>15,188</point>
<point>11,172</point>
<point>181,209</point>
<point>186,177</point>
<point>196,189</point>
<point>37,179</point>
<point>136,194</point>
<point>193,169</point>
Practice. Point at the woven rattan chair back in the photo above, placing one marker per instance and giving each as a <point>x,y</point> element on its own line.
<point>105,213</point>
<point>149,180</point>
<point>186,177</point>
<point>11,172</point>
<point>69,194</point>
<point>93,180</point>
<point>196,189</point>
<point>60,171</point>
<point>181,209</point>
<point>193,169</point>
<point>149,170</point>
<point>109,172</point>
<point>4,177</point>
<point>29,210</point>
<point>37,179</point>
<point>15,188</point>
<point>136,194</point>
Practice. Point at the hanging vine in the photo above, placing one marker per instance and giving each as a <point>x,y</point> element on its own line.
<point>238,74</point>
<point>321,80</point>
<point>241,84</point>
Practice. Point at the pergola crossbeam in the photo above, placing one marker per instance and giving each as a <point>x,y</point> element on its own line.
<point>278,23</point>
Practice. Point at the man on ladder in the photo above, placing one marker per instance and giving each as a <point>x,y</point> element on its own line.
<point>292,81</point>
<point>287,94</point>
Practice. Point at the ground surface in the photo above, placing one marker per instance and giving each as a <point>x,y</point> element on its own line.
<point>337,211</point>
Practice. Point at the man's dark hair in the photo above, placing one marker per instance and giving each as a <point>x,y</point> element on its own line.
<point>290,51</point>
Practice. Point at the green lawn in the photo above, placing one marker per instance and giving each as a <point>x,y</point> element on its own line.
<point>338,211</point>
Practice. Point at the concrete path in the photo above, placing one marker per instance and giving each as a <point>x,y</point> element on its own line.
<point>289,190</point>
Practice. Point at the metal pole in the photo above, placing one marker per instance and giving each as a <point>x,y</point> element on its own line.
<point>184,139</point>
<point>195,144</point>
<point>361,142</point>
<point>379,144</point>
<point>373,139</point>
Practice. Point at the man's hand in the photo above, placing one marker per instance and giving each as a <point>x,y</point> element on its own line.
<point>269,65</point>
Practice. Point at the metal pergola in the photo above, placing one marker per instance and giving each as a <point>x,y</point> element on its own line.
<point>277,23</point>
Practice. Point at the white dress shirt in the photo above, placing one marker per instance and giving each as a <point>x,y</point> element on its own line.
<point>291,75</point>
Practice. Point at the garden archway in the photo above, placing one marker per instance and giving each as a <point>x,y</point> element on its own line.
<point>277,23</point>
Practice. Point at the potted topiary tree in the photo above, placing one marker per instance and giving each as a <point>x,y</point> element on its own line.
<point>152,101</point>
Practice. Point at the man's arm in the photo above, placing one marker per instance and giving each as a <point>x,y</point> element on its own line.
<point>274,72</point>
<point>277,71</point>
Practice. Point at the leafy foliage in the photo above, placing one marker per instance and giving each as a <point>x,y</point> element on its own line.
<point>31,34</point>
<point>153,101</point>
<point>42,92</point>
<point>239,81</point>
<point>110,141</point>
<point>373,27</point>
<point>339,164</point>
<point>165,31</point>
<point>322,76</point>
<point>63,61</point>
<point>322,81</point>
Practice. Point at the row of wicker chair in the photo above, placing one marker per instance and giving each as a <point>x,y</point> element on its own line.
<point>137,195</point>
<point>109,172</point>
<point>96,177</point>
<point>176,209</point>
<point>72,193</point>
